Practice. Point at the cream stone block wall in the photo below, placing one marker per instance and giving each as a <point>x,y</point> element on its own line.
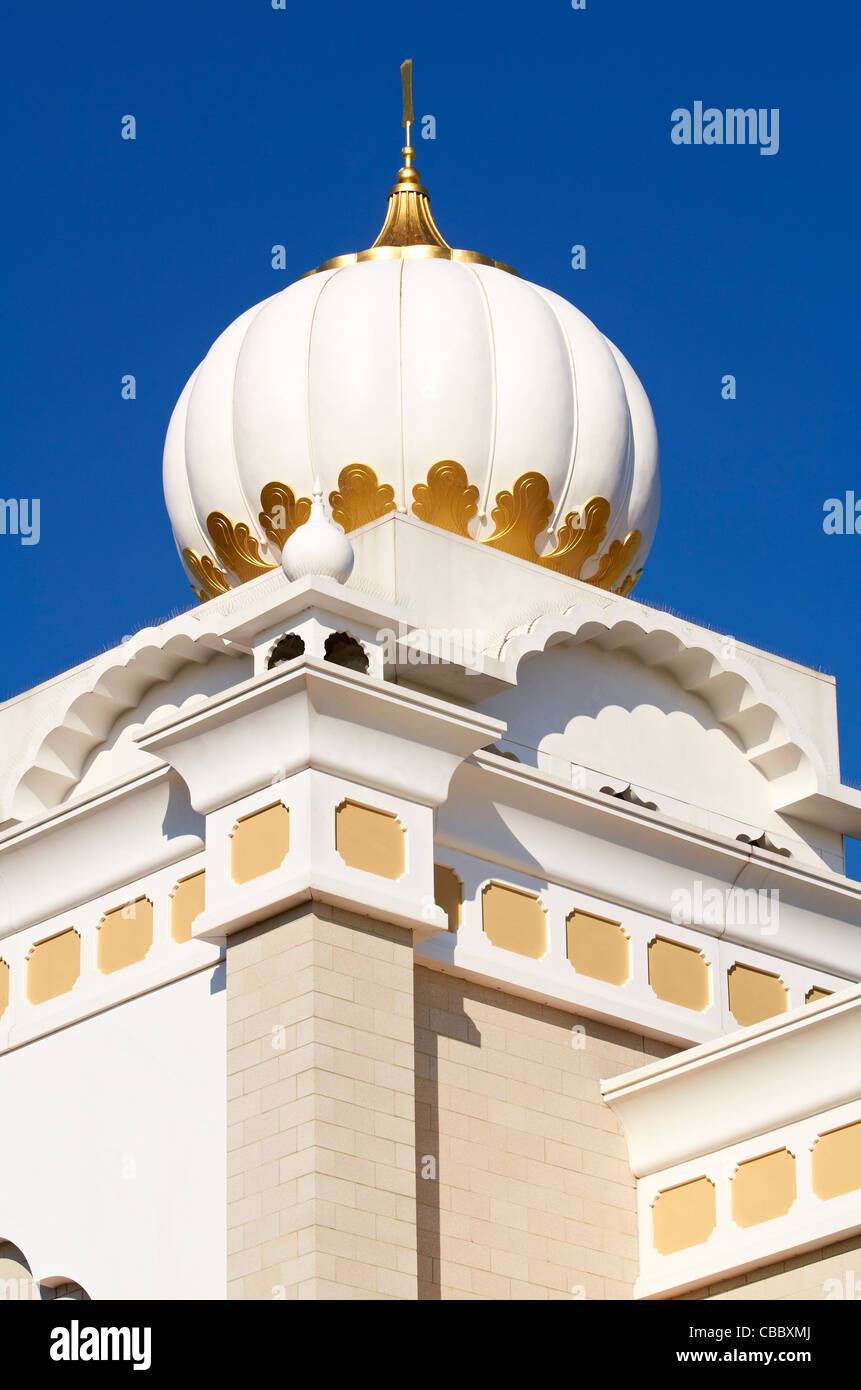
<point>524,1189</point>
<point>832,1273</point>
<point>321,1109</point>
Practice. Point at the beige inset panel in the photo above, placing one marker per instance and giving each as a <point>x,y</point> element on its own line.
<point>598,948</point>
<point>124,936</point>
<point>813,995</point>
<point>259,842</point>
<point>683,1216</point>
<point>370,839</point>
<point>679,974</point>
<point>755,994</point>
<point>448,894</point>
<point>187,901</point>
<point>4,987</point>
<point>763,1188</point>
<point>837,1162</point>
<point>514,920</point>
<point>53,966</point>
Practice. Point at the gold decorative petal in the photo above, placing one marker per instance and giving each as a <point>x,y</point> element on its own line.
<point>361,497</point>
<point>211,579</point>
<point>616,559</point>
<point>447,499</point>
<point>520,515</point>
<point>575,544</point>
<point>282,512</point>
<point>235,546</point>
<point>628,584</point>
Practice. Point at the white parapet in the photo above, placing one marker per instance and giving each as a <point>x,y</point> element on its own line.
<point>747,1149</point>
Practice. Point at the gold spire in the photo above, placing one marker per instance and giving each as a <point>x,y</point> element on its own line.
<point>409,220</point>
<point>407,85</point>
<point>409,231</point>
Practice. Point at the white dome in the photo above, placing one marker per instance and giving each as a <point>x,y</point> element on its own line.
<point>318,546</point>
<point>398,364</point>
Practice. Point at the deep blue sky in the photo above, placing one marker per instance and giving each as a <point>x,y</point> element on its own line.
<point>257,126</point>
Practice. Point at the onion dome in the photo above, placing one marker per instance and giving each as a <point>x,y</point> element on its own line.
<point>318,546</point>
<point>419,377</point>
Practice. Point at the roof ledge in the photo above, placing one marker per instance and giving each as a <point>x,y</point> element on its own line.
<point>742,1085</point>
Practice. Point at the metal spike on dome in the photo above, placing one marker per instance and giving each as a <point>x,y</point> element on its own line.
<point>409,220</point>
<point>409,231</point>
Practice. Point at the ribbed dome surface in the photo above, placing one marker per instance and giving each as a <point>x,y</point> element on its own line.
<point>398,365</point>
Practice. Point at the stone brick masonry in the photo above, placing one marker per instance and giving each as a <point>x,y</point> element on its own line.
<point>832,1272</point>
<point>321,1141</point>
<point>533,1197</point>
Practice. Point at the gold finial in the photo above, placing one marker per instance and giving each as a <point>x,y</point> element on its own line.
<point>407,84</point>
<point>408,175</point>
<point>409,230</point>
<point>409,221</point>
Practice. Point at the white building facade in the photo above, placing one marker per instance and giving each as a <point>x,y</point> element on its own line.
<point>425,917</point>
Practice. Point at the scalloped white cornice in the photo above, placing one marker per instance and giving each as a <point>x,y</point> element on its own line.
<point>115,683</point>
<point>761,720</point>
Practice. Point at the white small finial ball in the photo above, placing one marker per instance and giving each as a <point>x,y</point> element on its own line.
<point>318,547</point>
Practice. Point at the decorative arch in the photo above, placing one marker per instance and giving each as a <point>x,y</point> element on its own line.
<point>760,721</point>
<point>19,1283</point>
<point>118,682</point>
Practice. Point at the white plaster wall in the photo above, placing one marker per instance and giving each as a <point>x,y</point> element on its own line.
<point>112,1162</point>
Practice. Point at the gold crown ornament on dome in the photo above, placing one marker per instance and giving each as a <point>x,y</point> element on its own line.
<point>447,500</point>
<point>580,410</point>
